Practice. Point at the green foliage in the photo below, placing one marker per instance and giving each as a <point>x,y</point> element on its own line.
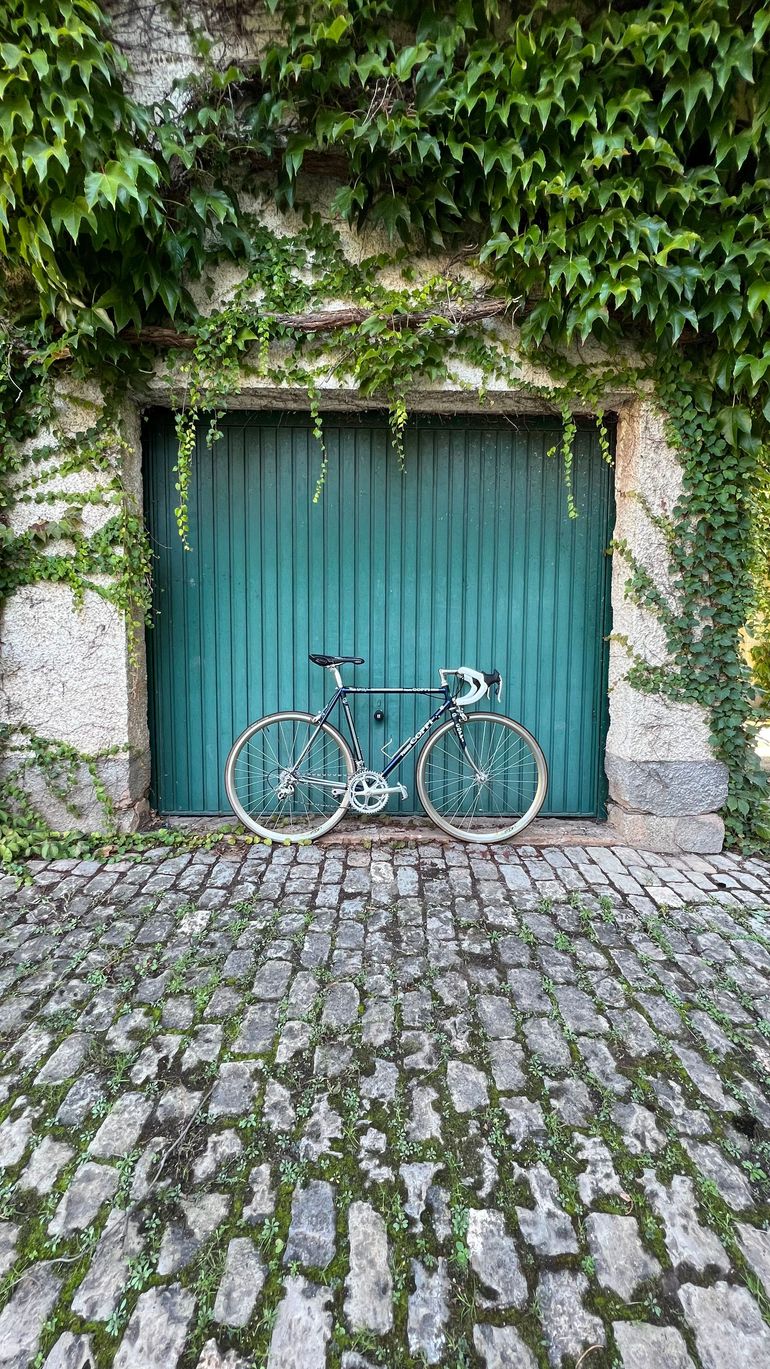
<point>114,560</point>
<point>287,277</point>
<point>612,167</point>
<point>104,205</point>
<point>606,172</point>
<point>50,767</point>
<point>23,830</point>
<point>759,622</point>
<point>711,549</point>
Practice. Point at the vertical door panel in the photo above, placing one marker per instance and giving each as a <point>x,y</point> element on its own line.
<point>467,558</point>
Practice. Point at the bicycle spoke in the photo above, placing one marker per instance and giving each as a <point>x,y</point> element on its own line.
<point>271,792</point>
<point>486,786</point>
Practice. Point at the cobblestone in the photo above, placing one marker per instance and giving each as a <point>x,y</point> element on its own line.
<point>157,1330</point>
<point>570,1329</point>
<point>727,1324</point>
<point>494,1259</point>
<point>428,1311</point>
<point>650,1347</point>
<point>621,1261</point>
<point>369,1285</point>
<point>326,1106</point>
<point>302,1328</point>
<point>24,1315</point>
<point>688,1241</point>
<point>241,1284</point>
<point>312,1231</point>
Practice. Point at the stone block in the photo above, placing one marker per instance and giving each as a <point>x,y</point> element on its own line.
<point>667,788</point>
<point>702,834</point>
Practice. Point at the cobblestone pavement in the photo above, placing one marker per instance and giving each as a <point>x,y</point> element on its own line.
<point>413,1105</point>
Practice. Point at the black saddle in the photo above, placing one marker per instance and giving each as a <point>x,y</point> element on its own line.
<point>337,660</point>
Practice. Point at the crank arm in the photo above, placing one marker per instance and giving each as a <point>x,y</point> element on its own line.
<point>399,789</point>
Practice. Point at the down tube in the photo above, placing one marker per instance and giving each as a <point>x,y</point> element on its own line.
<point>406,747</point>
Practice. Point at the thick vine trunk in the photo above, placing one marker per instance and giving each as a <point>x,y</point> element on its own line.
<point>328,320</point>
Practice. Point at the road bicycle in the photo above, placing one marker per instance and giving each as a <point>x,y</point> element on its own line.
<point>481,777</point>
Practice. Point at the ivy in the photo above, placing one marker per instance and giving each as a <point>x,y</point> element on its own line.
<point>106,207</point>
<point>604,173</point>
<point>759,621</point>
<point>56,769</point>
<point>711,550</point>
<point>611,167</point>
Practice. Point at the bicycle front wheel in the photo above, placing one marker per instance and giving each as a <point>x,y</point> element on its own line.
<point>484,782</point>
<point>287,777</point>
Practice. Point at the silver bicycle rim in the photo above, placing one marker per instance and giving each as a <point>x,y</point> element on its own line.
<point>501,806</point>
<point>253,775</point>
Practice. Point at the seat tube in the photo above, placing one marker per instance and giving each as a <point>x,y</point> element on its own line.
<point>357,752</point>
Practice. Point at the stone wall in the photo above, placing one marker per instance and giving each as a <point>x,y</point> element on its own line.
<point>66,671</point>
<point>665,786</point>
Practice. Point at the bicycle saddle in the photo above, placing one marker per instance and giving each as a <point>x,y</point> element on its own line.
<point>337,660</point>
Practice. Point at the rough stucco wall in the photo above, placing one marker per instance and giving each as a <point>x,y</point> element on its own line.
<point>162,51</point>
<point>65,668</point>
<point>66,671</point>
<point>664,783</point>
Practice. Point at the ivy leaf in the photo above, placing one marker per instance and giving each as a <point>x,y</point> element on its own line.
<point>680,242</point>
<point>349,199</point>
<point>496,246</point>
<point>759,293</point>
<point>393,213</point>
<point>41,64</point>
<point>12,55</point>
<point>214,202</point>
<point>14,107</point>
<point>107,184</point>
<point>35,153</point>
<point>293,156</point>
<point>735,422</point>
<point>408,59</point>
<point>332,33</point>
<point>70,214</point>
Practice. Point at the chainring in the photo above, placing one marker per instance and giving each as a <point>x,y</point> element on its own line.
<point>368,791</point>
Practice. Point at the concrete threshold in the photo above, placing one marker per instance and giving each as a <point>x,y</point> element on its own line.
<point>372,831</point>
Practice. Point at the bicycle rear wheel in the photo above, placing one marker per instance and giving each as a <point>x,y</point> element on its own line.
<point>487,787</point>
<point>287,777</point>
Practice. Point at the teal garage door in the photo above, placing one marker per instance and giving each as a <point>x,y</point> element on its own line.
<point>467,558</point>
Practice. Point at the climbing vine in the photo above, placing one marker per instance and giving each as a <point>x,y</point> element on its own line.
<point>592,178</point>
<point>711,544</point>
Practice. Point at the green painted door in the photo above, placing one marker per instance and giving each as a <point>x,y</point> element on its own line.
<point>467,558</point>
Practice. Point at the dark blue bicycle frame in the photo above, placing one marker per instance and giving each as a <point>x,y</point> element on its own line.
<point>341,696</point>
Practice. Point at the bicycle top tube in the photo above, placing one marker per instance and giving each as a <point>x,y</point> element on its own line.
<point>394,689</point>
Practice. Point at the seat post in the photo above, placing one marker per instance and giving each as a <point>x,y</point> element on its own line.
<point>334,670</point>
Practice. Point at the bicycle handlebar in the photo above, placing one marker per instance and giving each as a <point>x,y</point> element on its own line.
<point>480,683</point>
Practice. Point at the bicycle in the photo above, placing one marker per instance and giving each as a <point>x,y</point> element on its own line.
<point>481,777</point>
